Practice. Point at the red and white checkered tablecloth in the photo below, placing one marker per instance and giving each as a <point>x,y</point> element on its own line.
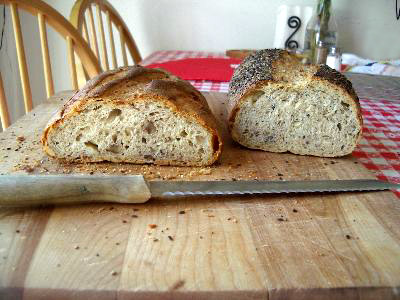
<point>379,149</point>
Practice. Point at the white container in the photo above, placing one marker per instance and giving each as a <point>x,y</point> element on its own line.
<point>334,58</point>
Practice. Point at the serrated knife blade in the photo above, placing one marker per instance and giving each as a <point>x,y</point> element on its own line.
<point>162,189</point>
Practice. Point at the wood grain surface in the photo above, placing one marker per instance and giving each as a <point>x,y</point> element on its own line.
<point>310,246</point>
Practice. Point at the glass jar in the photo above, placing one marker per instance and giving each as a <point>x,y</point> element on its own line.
<point>321,27</point>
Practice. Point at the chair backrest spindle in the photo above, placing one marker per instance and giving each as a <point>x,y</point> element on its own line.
<point>45,55</point>
<point>71,61</point>
<point>110,30</point>
<point>4,115</point>
<point>23,69</point>
<point>93,36</point>
<point>85,32</point>
<point>104,57</point>
<point>123,48</point>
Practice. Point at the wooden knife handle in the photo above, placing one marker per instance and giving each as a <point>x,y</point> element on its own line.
<point>23,190</point>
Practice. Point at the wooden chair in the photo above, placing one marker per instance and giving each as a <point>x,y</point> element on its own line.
<point>83,8</point>
<point>75,45</point>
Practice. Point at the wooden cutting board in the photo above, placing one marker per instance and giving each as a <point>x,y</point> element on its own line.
<point>312,246</point>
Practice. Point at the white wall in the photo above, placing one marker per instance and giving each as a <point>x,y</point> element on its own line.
<point>366,27</point>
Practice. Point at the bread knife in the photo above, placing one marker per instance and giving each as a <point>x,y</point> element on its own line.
<point>28,190</point>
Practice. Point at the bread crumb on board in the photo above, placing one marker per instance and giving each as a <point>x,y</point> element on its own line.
<point>205,171</point>
<point>177,285</point>
<point>28,169</point>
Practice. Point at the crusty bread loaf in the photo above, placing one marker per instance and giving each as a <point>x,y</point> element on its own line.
<point>278,104</point>
<point>135,115</point>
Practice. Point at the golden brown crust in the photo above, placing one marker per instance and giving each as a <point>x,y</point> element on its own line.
<point>99,85</point>
<point>132,84</point>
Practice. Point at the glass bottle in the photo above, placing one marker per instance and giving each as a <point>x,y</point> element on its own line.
<point>321,53</point>
<point>321,27</point>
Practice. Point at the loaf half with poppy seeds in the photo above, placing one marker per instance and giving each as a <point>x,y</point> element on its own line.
<point>278,104</point>
<point>135,115</point>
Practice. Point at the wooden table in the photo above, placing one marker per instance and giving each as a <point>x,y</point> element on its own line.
<point>309,246</point>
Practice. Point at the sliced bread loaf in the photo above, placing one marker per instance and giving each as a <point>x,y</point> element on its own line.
<point>278,104</point>
<point>135,115</point>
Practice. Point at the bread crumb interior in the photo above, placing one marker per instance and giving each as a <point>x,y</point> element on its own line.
<point>143,132</point>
